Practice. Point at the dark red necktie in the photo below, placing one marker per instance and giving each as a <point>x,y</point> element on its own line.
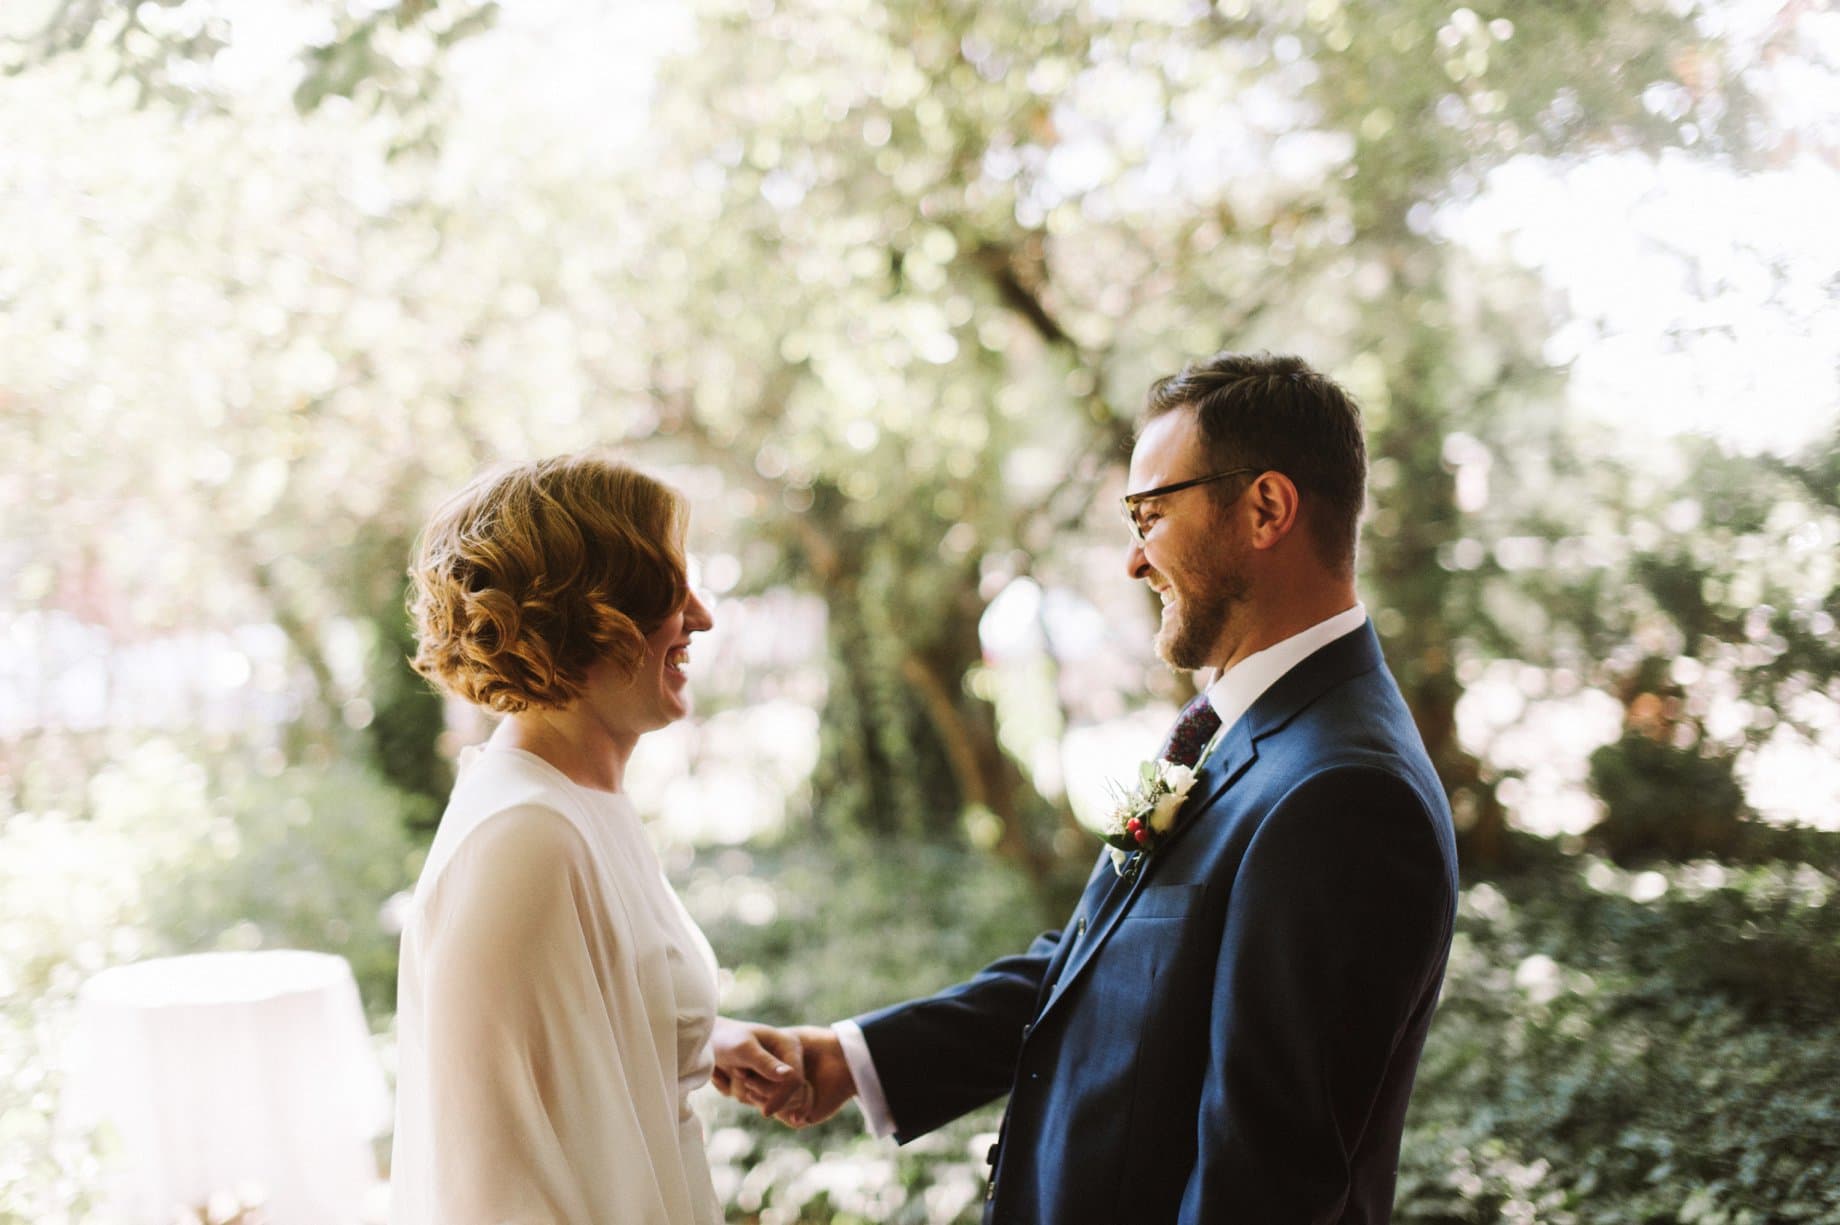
<point>1194,728</point>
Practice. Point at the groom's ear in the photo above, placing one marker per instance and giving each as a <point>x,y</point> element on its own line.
<point>1272,507</point>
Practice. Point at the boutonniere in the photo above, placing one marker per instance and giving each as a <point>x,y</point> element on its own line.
<point>1142,815</point>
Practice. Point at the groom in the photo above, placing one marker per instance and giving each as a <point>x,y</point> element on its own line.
<point>1227,1029</point>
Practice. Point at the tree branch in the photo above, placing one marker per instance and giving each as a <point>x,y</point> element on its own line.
<point>819,547</point>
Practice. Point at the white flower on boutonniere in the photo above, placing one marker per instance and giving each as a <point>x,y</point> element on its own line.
<point>1142,815</point>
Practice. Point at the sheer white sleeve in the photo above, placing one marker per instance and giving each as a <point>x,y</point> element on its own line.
<point>529,1056</point>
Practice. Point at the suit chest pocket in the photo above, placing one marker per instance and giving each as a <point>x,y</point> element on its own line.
<point>1164,902</point>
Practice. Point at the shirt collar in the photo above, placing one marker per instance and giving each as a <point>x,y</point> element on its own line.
<point>1235,690</point>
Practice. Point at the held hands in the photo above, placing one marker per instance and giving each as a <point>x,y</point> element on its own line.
<point>828,1082</point>
<point>814,1085</point>
<point>758,1065</point>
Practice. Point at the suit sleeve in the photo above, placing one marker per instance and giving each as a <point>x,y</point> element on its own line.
<point>949,1053</point>
<point>1335,935</point>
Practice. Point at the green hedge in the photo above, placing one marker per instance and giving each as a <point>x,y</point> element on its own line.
<point>1613,1046</point>
<point>1635,1046</point>
<point>174,851</point>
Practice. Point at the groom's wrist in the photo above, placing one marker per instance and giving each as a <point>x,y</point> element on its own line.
<point>868,1085</point>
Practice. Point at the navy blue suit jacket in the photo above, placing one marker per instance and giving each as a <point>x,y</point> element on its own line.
<point>1229,1035</point>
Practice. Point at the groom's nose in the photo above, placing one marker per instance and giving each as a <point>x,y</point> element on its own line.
<point>1135,564</point>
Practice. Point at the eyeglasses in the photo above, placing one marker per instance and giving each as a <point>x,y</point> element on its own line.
<point>1131,501</point>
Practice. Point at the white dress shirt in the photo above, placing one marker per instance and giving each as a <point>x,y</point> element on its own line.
<point>1231,695</point>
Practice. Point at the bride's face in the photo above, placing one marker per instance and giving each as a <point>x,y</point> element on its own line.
<point>657,693</point>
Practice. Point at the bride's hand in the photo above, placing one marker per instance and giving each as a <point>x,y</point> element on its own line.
<point>758,1065</point>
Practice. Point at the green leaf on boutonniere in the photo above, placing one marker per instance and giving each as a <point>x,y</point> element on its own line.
<point>1141,817</point>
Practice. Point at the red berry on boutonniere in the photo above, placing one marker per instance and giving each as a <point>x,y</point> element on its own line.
<point>1143,815</point>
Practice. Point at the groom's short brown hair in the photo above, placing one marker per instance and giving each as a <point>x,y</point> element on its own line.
<point>1276,413</point>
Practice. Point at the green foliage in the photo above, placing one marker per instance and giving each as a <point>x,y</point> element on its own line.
<point>881,770</point>
<point>173,852</point>
<point>388,55</point>
<point>1714,626</point>
<point>827,931</point>
<point>305,860</point>
<point>1664,801</point>
<point>1611,1047</point>
<point>1616,1047</point>
<point>172,844</point>
<point>405,715</point>
<point>815,933</point>
<point>893,276</point>
<point>71,903</point>
<point>156,48</point>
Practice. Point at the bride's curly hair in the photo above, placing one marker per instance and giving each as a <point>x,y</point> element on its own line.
<point>535,572</point>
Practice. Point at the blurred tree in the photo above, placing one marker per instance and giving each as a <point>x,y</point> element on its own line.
<point>901,272</point>
<point>1719,640</point>
<point>1040,202</point>
<point>402,716</point>
<point>385,55</point>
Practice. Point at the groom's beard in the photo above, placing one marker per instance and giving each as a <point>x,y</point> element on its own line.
<point>1192,628</point>
<point>1197,621</point>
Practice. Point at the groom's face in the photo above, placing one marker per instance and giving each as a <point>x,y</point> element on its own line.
<point>1193,554</point>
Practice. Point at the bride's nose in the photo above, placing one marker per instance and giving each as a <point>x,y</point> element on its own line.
<point>697,616</point>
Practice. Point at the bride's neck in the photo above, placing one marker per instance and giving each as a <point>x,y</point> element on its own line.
<point>585,752</point>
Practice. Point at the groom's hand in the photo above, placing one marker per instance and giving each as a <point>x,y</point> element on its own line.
<point>758,1065</point>
<point>828,1082</point>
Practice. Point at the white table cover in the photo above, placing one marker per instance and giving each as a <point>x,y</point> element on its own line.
<point>227,1072</point>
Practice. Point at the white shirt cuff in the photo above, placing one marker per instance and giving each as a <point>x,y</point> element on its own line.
<point>876,1115</point>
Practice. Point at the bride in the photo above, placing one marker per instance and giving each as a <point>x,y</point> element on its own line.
<point>557,1004</point>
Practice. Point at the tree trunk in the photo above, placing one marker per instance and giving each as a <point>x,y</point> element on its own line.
<point>1414,519</point>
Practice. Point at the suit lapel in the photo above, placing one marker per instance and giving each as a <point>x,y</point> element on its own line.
<point>1346,657</point>
<point>1230,759</point>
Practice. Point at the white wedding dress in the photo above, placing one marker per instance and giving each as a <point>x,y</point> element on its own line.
<point>555,1003</point>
